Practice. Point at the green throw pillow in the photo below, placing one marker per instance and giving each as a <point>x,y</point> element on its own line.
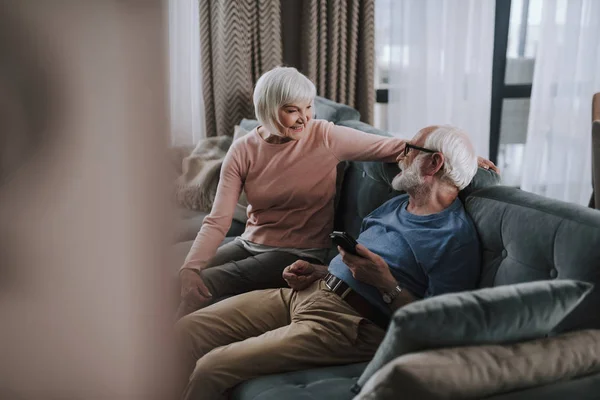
<point>496,315</point>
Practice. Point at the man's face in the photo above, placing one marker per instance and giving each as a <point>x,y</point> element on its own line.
<point>410,179</point>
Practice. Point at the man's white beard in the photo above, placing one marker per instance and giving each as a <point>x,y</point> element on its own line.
<point>410,180</point>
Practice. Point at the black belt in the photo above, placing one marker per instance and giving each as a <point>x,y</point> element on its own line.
<point>356,301</point>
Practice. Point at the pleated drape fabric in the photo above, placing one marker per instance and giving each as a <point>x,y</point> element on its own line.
<point>239,41</point>
<point>338,53</point>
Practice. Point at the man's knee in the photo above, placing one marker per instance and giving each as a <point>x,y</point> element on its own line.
<point>183,326</point>
<point>188,333</point>
<point>213,372</point>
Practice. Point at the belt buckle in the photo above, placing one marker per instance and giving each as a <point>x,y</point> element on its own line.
<point>331,278</point>
<point>337,285</point>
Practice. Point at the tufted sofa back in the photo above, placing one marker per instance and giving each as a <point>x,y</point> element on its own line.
<point>526,237</point>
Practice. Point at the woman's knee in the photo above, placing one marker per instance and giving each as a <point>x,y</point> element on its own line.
<point>232,251</point>
<point>263,271</point>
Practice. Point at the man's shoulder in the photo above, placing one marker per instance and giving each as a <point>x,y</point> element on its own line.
<point>392,204</point>
<point>462,220</point>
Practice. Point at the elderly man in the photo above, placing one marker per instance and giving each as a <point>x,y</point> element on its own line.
<point>414,246</point>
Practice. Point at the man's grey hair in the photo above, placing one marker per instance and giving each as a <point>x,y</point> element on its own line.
<point>276,88</point>
<point>460,161</point>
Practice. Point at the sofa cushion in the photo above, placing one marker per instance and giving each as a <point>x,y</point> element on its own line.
<point>583,388</point>
<point>248,124</point>
<point>475,372</point>
<point>314,384</point>
<point>526,237</point>
<point>335,112</point>
<point>486,316</point>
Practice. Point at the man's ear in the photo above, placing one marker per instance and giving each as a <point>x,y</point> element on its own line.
<point>433,164</point>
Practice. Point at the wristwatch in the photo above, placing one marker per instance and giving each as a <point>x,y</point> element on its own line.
<point>389,297</point>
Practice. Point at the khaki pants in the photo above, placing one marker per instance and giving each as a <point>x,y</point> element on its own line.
<point>271,331</point>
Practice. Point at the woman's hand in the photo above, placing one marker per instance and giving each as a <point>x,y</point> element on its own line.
<point>301,274</point>
<point>193,290</point>
<point>487,164</point>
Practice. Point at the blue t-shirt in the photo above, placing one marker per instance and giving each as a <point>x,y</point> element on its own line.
<point>428,255</point>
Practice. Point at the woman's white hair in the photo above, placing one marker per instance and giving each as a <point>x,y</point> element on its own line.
<point>460,164</point>
<point>276,88</point>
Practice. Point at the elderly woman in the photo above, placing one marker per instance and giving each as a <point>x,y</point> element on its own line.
<point>287,168</point>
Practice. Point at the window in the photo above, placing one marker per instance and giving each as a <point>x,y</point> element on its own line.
<point>383,52</point>
<point>515,45</point>
<point>516,38</point>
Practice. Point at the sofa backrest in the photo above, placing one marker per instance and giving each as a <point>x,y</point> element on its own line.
<point>527,237</point>
<point>334,112</point>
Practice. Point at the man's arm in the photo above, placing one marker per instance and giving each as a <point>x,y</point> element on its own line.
<point>388,286</point>
<point>371,269</point>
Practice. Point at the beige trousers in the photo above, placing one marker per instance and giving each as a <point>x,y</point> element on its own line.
<point>270,331</point>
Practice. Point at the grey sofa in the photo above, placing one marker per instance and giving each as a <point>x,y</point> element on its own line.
<point>524,237</point>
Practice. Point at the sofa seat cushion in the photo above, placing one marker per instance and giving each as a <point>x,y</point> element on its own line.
<point>315,384</point>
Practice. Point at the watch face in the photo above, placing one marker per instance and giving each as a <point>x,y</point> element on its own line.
<point>387,299</point>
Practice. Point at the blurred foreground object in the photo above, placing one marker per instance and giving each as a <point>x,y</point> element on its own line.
<point>84,296</point>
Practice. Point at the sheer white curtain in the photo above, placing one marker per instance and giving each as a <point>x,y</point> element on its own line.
<point>557,160</point>
<point>440,54</point>
<point>185,75</point>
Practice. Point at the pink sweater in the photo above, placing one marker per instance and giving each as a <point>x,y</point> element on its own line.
<point>290,187</point>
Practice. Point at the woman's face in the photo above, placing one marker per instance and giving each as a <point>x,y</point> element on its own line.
<point>294,118</point>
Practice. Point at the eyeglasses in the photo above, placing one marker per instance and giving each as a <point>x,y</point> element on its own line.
<point>412,146</point>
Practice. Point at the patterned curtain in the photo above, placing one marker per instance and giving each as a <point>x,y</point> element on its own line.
<point>239,41</point>
<point>338,51</point>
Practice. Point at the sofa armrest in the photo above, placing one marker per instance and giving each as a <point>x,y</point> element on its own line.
<point>480,371</point>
